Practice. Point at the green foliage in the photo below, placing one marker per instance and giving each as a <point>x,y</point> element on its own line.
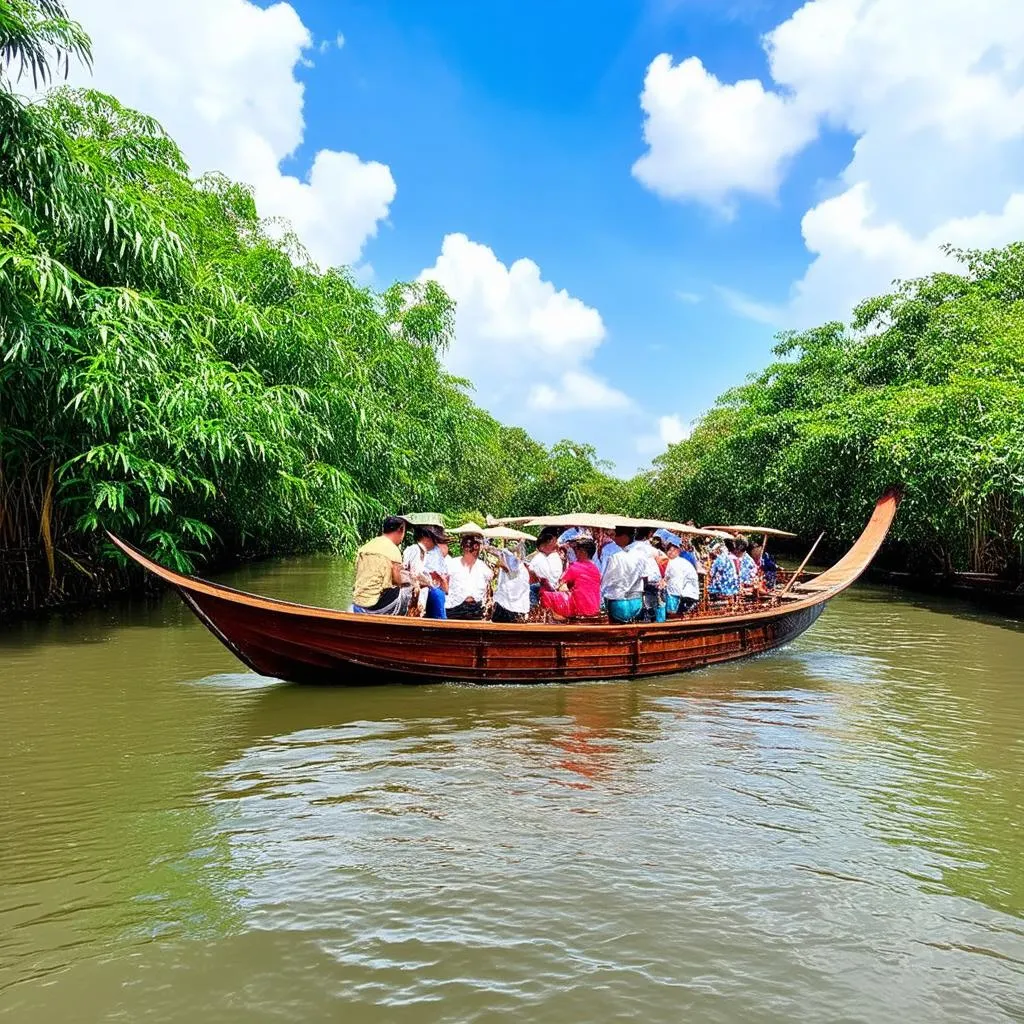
<point>926,388</point>
<point>177,371</point>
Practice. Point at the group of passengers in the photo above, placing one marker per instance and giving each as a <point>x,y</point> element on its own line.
<point>639,574</point>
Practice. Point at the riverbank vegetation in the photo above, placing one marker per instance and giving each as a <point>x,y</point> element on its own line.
<point>925,387</point>
<point>178,371</point>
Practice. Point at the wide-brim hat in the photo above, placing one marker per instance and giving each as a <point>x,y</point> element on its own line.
<point>469,529</point>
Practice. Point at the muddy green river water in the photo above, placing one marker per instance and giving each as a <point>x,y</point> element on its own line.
<point>833,832</point>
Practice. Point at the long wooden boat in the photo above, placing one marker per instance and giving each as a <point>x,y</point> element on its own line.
<point>306,644</point>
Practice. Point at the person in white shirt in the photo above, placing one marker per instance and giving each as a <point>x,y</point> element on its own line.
<point>605,552</point>
<point>512,596</point>
<point>681,582</point>
<point>545,566</point>
<point>622,585</point>
<point>413,559</point>
<point>644,550</point>
<point>468,580</point>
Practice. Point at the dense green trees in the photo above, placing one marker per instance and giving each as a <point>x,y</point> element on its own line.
<point>175,372</point>
<point>924,388</point>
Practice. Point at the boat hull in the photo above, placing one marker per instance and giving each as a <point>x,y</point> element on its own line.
<point>311,649</point>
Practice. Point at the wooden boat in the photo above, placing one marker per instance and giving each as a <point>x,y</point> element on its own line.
<point>305,644</point>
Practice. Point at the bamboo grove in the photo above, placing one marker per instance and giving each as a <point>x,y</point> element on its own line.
<point>179,372</point>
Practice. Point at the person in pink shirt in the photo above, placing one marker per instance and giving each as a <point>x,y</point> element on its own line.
<point>579,591</point>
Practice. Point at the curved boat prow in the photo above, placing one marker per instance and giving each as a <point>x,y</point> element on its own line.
<point>853,564</point>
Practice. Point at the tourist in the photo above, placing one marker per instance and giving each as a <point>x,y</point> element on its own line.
<point>468,580</point>
<point>681,583</point>
<point>378,588</point>
<point>622,585</point>
<point>435,565</point>
<point>606,550</point>
<point>413,559</point>
<point>689,554</point>
<point>723,579</point>
<point>746,566</point>
<point>579,592</point>
<point>545,566</point>
<point>660,555</point>
<point>565,542</point>
<point>767,566</point>
<point>653,588</point>
<point>512,596</point>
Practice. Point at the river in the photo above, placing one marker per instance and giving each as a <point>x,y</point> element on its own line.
<point>833,832</point>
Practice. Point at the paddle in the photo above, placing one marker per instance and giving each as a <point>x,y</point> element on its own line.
<point>796,575</point>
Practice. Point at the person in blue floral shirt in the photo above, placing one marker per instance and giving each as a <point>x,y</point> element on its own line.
<point>723,581</point>
<point>748,567</point>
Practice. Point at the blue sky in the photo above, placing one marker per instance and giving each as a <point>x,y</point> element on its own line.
<point>792,159</point>
<point>517,124</point>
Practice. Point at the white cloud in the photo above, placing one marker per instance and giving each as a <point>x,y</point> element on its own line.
<point>707,140</point>
<point>933,94</point>
<point>575,391</point>
<point>670,430</point>
<point>522,341</point>
<point>690,298</point>
<point>219,75</point>
<point>510,310</point>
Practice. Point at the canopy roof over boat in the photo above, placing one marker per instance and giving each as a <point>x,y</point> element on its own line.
<point>506,533</point>
<point>591,520</point>
<point>771,531</point>
<point>603,521</point>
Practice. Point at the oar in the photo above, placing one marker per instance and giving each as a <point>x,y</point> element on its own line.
<point>796,575</point>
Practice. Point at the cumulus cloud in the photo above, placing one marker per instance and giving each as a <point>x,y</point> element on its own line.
<point>934,96</point>
<point>220,76</point>
<point>707,140</point>
<point>522,341</point>
<point>577,390</point>
<point>670,430</point>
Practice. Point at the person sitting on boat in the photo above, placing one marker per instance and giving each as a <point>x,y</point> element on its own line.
<point>681,583</point>
<point>512,596</point>
<point>723,579</point>
<point>579,592</point>
<point>606,550</point>
<point>660,554</point>
<point>378,587</point>
<point>435,565</point>
<point>767,566</point>
<point>622,585</point>
<point>746,567</point>
<point>413,559</point>
<point>566,542</point>
<point>653,605</point>
<point>468,581</point>
<point>545,566</point>
<point>689,554</point>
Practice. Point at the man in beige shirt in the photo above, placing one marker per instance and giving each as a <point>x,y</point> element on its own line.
<point>379,577</point>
